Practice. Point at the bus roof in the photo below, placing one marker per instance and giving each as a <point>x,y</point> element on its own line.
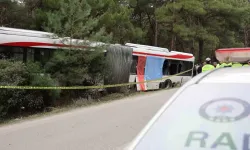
<point>182,53</point>
<point>146,50</point>
<point>147,47</point>
<point>31,38</point>
<point>23,32</point>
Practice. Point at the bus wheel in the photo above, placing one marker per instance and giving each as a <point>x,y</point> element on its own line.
<point>168,84</point>
<point>162,85</point>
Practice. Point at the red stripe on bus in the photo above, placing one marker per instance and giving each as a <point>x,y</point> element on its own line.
<point>179,56</point>
<point>140,71</point>
<point>32,44</point>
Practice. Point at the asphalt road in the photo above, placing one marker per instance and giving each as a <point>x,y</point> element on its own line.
<point>108,126</point>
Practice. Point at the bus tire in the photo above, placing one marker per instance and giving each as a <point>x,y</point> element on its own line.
<point>168,84</point>
<point>162,85</point>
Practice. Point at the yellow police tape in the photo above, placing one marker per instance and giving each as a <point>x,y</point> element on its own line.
<point>84,87</point>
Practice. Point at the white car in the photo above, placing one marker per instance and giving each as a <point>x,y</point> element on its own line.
<point>210,112</point>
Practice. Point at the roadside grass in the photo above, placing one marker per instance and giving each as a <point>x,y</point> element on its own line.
<point>76,104</point>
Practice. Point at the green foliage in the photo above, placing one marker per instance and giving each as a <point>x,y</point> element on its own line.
<point>12,74</point>
<point>214,23</point>
<point>74,68</point>
<point>37,77</point>
<point>13,101</point>
<point>74,20</point>
<point>117,21</point>
<point>12,14</point>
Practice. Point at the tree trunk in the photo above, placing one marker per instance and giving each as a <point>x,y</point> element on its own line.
<point>173,42</point>
<point>156,33</point>
<point>246,37</point>
<point>192,50</point>
<point>201,46</point>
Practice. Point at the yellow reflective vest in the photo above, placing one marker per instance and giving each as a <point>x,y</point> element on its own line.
<point>246,65</point>
<point>207,67</point>
<point>218,66</point>
<point>226,65</point>
<point>236,65</point>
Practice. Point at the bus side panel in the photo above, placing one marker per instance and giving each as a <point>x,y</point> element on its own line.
<point>26,41</point>
<point>153,71</point>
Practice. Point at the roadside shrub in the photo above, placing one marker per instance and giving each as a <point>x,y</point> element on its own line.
<point>49,96</point>
<point>12,74</point>
<point>66,68</point>
<point>45,98</point>
<point>77,68</point>
<point>14,101</point>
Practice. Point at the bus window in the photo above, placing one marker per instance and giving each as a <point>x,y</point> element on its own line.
<point>6,52</point>
<point>37,54</point>
<point>25,54</point>
<point>134,65</point>
<point>187,65</point>
<point>17,53</point>
<point>3,52</point>
<point>46,54</point>
<point>165,69</point>
<point>180,67</point>
<point>173,67</point>
<point>30,55</point>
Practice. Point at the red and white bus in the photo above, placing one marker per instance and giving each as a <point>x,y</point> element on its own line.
<point>26,45</point>
<point>31,45</point>
<point>173,63</point>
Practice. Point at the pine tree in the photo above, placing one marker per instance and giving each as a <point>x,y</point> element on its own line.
<point>116,16</point>
<point>73,20</point>
<point>13,14</point>
<point>206,24</point>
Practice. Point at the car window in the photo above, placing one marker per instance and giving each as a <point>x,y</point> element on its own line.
<point>203,117</point>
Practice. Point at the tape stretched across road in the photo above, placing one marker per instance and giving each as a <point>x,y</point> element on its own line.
<point>85,87</point>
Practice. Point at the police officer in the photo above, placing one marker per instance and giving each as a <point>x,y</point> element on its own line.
<point>208,65</point>
<point>236,65</point>
<point>199,68</point>
<point>224,64</point>
<point>248,64</point>
<point>216,65</point>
